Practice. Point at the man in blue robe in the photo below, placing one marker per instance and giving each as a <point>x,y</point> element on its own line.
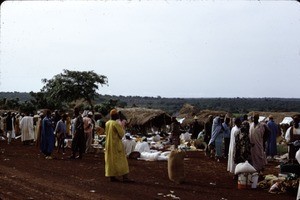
<point>47,136</point>
<point>271,142</point>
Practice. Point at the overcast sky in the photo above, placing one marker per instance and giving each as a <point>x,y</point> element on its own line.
<point>155,48</point>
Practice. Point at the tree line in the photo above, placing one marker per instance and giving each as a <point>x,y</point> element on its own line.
<point>79,88</point>
<point>24,101</point>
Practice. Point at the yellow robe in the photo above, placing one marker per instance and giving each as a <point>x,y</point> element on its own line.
<point>115,158</point>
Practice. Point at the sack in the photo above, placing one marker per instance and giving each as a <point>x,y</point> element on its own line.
<point>298,156</point>
<point>244,167</point>
<point>176,166</point>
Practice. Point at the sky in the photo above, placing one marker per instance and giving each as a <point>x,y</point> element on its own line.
<point>184,49</point>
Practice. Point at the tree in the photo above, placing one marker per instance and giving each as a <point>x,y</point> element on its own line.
<point>70,86</point>
<point>40,101</point>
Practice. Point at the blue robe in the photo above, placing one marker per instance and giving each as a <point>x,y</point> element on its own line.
<point>47,137</point>
<point>271,143</point>
<point>217,135</point>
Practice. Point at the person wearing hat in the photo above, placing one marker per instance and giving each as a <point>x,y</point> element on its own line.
<point>292,135</point>
<point>271,142</point>
<point>195,128</point>
<point>88,126</point>
<point>116,163</point>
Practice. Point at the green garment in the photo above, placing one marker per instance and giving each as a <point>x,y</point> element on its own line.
<point>115,158</point>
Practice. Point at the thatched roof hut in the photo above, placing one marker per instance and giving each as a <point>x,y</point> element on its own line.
<point>144,118</point>
<point>277,116</point>
<point>189,112</point>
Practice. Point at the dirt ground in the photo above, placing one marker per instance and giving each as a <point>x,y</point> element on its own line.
<point>26,174</point>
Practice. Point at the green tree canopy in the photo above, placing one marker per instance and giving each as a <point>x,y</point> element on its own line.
<point>70,86</point>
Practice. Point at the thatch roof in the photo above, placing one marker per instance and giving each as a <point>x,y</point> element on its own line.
<point>277,116</point>
<point>189,112</point>
<point>204,114</point>
<point>145,117</point>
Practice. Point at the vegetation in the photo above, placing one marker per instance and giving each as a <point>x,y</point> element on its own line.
<point>70,86</point>
<point>64,89</point>
<point>103,103</point>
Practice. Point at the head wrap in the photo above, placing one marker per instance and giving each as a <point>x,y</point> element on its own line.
<point>113,112</point>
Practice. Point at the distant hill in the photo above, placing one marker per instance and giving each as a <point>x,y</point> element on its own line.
<point>173,105</point>
<point>233,105</point>
<point>23,96</point>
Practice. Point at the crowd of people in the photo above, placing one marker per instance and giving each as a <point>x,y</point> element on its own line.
<point>49,129</point>
<point>46,128</point>
<point>235,140</point>
<point>248,139</point>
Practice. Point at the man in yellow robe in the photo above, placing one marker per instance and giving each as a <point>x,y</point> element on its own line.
<point>116,163</point>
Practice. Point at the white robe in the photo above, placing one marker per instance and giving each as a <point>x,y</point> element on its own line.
<point>142,147</point>
<point>26,126</point>
<point>129,146</point>
<point>231,151</point>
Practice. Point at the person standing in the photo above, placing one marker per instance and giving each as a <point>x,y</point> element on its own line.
<point>88,131</point>
<point>39,130</point>
<point>293,134</point>
<point>116,163</point>
<point>232,145</point>
<point>243,144</point>
<point>271,142</point>
<point>26,126</point>
<point>175,132</point>
<point>17,124</point>
<point>207,131</point>
<point>47,136</point>
<point>216,140</point>
<point>78,142</point>
<point>61,133</point>
<point>258,133</point>
<point>9,127</point>
<point>227,129</point>
<point>195,128</point>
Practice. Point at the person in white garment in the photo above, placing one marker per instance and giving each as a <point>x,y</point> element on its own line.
<point>26,126</point>
<point>292,135</point>
<point>129,144</point>
<point>231,151</point>
<point>142,146</point>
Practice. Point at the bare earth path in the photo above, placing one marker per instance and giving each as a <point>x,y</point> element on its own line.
<point>26,174</point>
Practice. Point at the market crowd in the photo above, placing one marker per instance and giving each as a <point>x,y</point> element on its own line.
<point>222,137</point>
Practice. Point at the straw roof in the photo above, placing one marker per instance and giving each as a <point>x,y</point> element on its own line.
<point>145,117</point>
<point>277,116</point>
<point>189,112</point>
